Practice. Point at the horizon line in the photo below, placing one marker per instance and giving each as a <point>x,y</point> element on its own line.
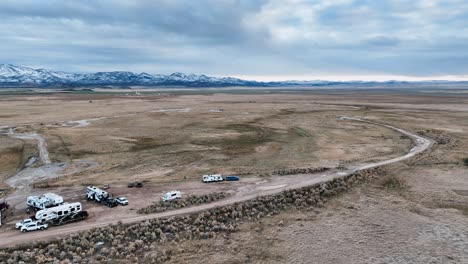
<point>350,78</point>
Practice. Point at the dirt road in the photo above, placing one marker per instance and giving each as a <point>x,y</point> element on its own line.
<point>23,180</point>
<point>13,237</point>
<point>41,144</point>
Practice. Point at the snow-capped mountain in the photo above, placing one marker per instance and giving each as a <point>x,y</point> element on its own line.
<point>18,76</point>
<point>11,75</point>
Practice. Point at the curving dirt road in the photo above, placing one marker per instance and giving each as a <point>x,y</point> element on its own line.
<point>41,144</point>
<point>13,237</point>
<point>23,180</point>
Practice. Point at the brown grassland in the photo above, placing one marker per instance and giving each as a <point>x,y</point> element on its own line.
<point>415,211</point>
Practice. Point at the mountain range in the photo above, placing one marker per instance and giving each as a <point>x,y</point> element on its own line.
<point>19,76</point>
<point>16,76</point>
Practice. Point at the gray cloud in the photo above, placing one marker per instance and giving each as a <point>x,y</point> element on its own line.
<point>229,37</point>
<point>383,41</point>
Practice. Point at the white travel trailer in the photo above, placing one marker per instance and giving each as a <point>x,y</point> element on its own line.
<point>212,178</point>
<point>94,193</point>
<point>172,195</point>
<point>45,201</point>
<point>58,213</point>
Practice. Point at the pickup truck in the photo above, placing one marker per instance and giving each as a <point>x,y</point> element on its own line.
<point>24,222</point>
<point>231,178</point>
<point>121,200</point>
<point>33,226</point>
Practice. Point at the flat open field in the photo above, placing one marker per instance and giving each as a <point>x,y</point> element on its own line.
<point>415,213</point>
<point>161,139</point>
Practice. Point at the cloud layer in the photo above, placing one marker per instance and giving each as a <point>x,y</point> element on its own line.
<point>241,38</point>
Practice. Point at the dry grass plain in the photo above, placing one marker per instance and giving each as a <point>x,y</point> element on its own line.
<point>417,212</point>
<point>159,139</point>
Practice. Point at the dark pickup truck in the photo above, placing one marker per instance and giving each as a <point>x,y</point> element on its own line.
<point>232,178</point>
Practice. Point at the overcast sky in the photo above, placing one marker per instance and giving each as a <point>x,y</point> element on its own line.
<point>254,39</point>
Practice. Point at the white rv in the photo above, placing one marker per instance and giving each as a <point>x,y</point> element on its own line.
<point>212,178</point>
<point>45,201</point>
<point>94,193</point>
<point>58,212</point>
<point>172,195</point>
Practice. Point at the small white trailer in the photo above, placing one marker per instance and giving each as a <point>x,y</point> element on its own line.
<point>45,201</point>
<point>212,178</point>
<point>101,196</point>
<point>172,195</point>
<point>94,193</point>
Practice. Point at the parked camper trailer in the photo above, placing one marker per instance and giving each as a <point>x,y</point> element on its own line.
<point>172,195</point>
<point>62,214</point>
<point>94,193</point>
<point>101,196</point>
<point>212,178</point>
<point>45,201</point>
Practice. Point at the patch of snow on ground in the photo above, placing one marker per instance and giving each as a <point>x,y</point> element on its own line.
<point>83,122</point>
<point>180,110</point>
